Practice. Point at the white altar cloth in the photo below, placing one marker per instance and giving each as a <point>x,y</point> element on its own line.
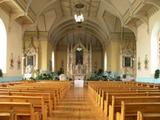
<point>78,83</point>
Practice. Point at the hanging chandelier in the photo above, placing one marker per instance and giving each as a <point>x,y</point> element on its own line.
<point>79,17</point>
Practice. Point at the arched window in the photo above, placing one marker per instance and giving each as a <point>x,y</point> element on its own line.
<point>3,46</point>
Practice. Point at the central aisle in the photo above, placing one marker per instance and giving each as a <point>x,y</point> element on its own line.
<point>77,105</point>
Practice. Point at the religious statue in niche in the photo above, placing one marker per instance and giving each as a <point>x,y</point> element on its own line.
<point>18,63</point>
<point>146,61</point>
<point>139,64</point>
<point>11,64</point>
<point>79,57</point>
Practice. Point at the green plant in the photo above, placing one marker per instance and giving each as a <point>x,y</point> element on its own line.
<point>156,74</point>
<point>1,73</point>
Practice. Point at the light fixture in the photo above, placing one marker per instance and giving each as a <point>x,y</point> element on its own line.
<point>79,17</point>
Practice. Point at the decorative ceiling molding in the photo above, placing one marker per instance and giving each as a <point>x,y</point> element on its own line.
<point>156,3</point>
<point>127,36</point>
<point>29,34</point>
<point>70,25</point>
<point>141,10</point>
<point>135,6</point>
<point>94,24</point>
<point>19,7</point>
<point>45,6</point>
<point>112,9</point>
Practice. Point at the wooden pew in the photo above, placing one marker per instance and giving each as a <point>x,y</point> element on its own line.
<point>55,90</point>
<point>102,92</point>
<point>129,110</point>
<point>107,100</point>
<point>10,115</point>
<point>148,116</point>
<point>46,97</point>
<point>116,103</point>
<point>37,102</point>
<point>20,109</point>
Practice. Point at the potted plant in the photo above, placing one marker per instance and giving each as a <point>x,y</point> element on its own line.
<point>1,73</point>
<point>156,74</point>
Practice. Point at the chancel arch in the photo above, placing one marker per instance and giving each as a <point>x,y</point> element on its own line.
<point>70,25</point>
<point>79,50</point>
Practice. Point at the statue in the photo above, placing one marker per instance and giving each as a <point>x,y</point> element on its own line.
<point>28,72</point>
<point>146,61</point>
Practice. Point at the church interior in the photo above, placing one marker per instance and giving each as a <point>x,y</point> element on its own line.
<point>80,59</point>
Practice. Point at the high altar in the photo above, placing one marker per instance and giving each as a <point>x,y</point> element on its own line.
<point>79,61</point>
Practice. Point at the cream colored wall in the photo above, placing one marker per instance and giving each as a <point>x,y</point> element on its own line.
<point>14,42</point>
<point>98,59</point>
<point>43,65</point>
<point>113,56</point>
<point>49,53</point>
<point>109,51</point>
<point>60,55</point>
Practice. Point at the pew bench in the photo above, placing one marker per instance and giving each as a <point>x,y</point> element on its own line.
<point>148,116</point>
<point>46,97</point>
<point>116,103</point>
<point>107,99</point>
<point>129,110</point>
<point>37,102</point>
<point>20,109</point>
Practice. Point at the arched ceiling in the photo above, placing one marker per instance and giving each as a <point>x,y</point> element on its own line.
<point>67,6</point>
<point>102,17</point>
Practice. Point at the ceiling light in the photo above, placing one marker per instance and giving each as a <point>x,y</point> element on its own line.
<point>79,17</point>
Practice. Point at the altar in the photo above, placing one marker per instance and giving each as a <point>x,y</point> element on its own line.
<point>79,61</point>
<point>79,83</point>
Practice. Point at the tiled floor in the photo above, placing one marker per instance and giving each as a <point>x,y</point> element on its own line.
<point>77,105</point>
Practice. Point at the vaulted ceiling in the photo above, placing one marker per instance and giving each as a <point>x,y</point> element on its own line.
<point>102,17</point>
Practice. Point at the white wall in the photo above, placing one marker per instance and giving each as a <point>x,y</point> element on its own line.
<point>147,36</point>
<point>143,49</point>
<point>14,43</point>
